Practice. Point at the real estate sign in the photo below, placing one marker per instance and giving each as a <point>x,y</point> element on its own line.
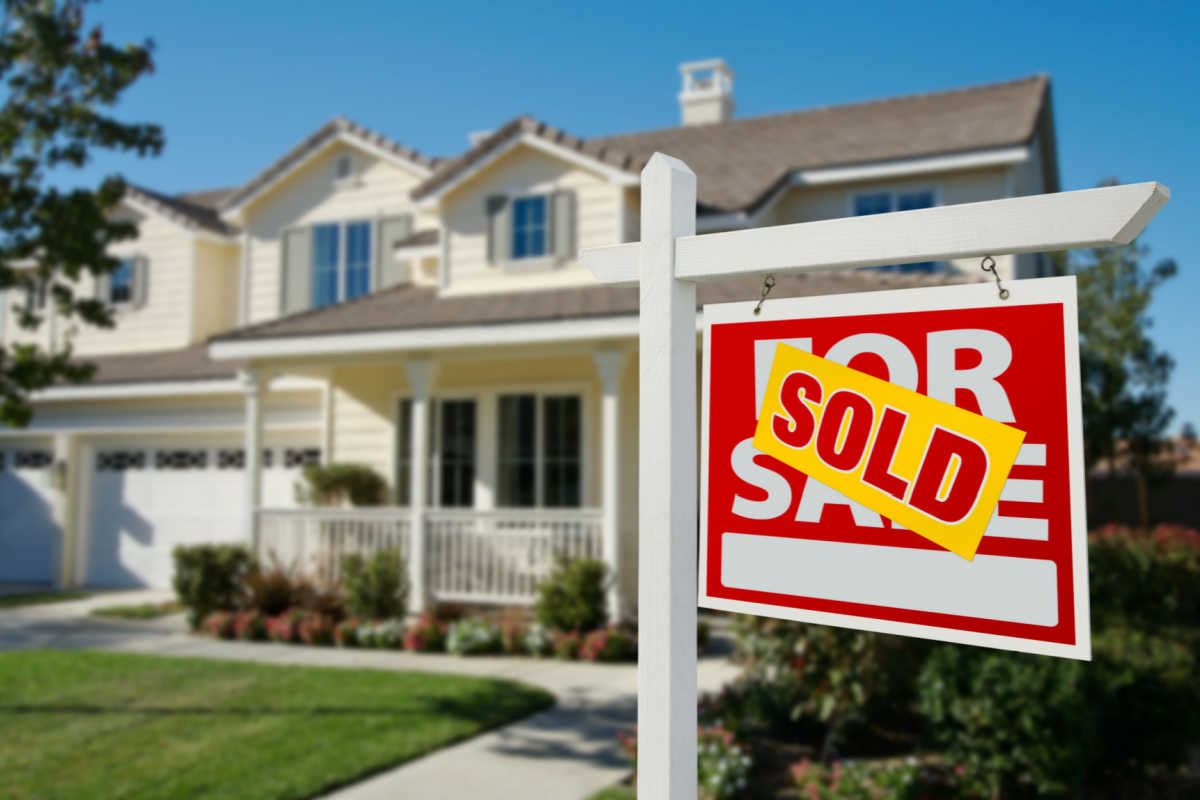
<point>903,461</point>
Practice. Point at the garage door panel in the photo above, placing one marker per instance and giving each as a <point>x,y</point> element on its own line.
<point>29,539</point>
<point>172,495</point>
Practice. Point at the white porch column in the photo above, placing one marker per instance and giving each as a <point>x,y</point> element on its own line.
<point>419,376</point>
<point>609,365</point>
<point>251,382</point>
<point>64,480</point>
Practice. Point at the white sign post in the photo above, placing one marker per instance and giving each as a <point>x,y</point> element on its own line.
<point>667,263</point>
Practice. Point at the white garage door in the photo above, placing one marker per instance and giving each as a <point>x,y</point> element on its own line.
<point>147,497</point>
<point>29,539</point>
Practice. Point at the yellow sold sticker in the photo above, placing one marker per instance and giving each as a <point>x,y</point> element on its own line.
<point>932,467</point>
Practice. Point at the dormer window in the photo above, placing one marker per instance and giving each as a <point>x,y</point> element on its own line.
<point>345,175</point>
<point>121,283</point>
<point>344,167</point>
<point>885,202</point>
<point>529,227</point>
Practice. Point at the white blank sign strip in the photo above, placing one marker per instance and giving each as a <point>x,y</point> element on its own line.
<point>990,587</point>
<point>1018,490</point>
<point>1018,528</point>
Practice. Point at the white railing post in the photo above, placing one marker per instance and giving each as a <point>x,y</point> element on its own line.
<point>667,489</point>
<point>251,381</point>
<point>609,365</point>
<point>418,371</point>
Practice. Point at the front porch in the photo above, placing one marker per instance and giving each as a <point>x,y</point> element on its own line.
<point>528,455</point>
<point>463,556</point>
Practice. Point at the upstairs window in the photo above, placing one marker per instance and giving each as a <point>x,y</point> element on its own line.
<point>529,239</point>
<point>341,261</point>
<point>885,202</point>
<point>120,283</point>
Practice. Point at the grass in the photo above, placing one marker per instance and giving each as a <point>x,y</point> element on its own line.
<point>100,725</point>
<point>140,611</point>
<point>615,793</point>
<point>34,598</point>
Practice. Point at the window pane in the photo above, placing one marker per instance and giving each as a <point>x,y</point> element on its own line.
<point>358,259</point>
<point>561,451</point>
<point>876,203</point>
<point>120,282</point>
<point>517,476</point>
<point>325,265</point>
<point>403,451</point>
<point>529,227</point>
<point>458,453</point>
<point>908,201</point>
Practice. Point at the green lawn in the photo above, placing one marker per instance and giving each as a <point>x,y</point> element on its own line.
<point>615,793</point>
<point>103,725</point>
<point>140,611</point>
<point>33,598</point>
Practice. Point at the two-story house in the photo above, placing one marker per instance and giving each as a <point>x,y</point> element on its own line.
<point>358,301</point>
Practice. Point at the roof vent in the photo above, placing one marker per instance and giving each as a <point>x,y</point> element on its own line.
<point>707,94</point>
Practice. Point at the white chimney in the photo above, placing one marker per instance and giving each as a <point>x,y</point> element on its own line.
<point>707,94</point>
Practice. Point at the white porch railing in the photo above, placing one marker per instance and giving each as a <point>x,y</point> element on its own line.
<point>313,540</point>
<point>500,556</point>
<point>470,556</point>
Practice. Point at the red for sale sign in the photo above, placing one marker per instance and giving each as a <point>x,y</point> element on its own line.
<point>777,542</point>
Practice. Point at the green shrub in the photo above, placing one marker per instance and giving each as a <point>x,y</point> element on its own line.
<point>346,634</point>
<point>1148,579</point>
<point>331,484</point>
<point>572,597</point>
<point>566,644</point>
<point>1018,724</point>
<point>426,635</point>
<point>473,636</point>
<point>608,644</point>
<point>206,577</point>
<point>723,764</point>
<point>377,586</point>
<point>250,626</point>
<point>893,779</point>
<point>537,640</point>
<point>220,624</point>
<point>316,629</point>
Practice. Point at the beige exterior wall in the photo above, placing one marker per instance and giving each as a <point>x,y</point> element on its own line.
<point>524,171</point>
<point>214,288</point>
<point>310,196</point>
<point>164,322</point>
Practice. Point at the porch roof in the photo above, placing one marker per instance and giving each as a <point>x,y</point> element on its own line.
<point>181,364</point>
<point>409,307</point>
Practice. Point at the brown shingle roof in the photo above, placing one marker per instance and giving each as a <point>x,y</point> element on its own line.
<point>407,306</point>
<point>330,129</point>
<point>190,210</point>
<point>187,364</point>
<point>738,162</point>
<point>425,238</point>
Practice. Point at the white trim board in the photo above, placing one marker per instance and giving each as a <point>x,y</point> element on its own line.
<point>624,326</point>
<point>209,386</point>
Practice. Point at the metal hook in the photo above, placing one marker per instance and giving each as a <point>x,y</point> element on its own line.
<point>768,285</point>
<point>989,265</point>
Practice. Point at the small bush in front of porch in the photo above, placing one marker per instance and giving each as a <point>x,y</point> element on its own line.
<point>316,629</point>
<point>572,597</point>
<point>538,640</point>
<point>207,577</point>
<point>250,625</point>
<point>286,626</point>
<point>334,484</point>
<point>473,636</point>
<point>375,587</point>
<point>426,635</point>
<point>608,644</point>
<point>220,624</point>
<point>346,633</point>
<point>566,644</point>
<point>385,634</point>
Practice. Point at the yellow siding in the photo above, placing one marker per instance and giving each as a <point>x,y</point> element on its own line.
<point>363,416</point>
<point>164,322</point>
<point>215,288</point>
<point>310,196</point>
<point>524,171</point>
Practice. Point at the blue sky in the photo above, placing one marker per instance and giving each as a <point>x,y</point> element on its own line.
<point>236,84</point>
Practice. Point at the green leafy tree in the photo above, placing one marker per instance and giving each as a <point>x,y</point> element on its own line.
<point>61,81</point>
<point>1125,374</point>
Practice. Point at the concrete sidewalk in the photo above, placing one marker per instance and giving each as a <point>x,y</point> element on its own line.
<point>568,752</point>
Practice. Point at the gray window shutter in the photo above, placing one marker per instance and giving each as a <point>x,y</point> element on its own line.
<point>562,225</point>
<point>104,288</point>
<point>296,271</point>
<point>499,229</point>
<point>389,270</point>
<point>141,281</point>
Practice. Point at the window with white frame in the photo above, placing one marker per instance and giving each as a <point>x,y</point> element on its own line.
<point>540,453</point>
<point>341,261</point>
<point>883,202</point>
<point>529,227</point>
